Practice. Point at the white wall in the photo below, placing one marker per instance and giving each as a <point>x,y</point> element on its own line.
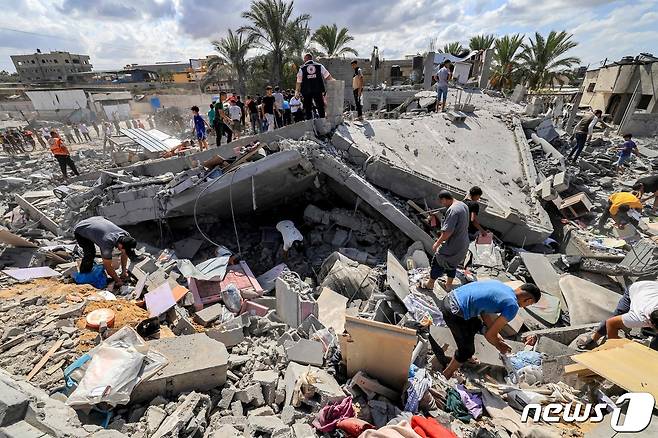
<point>57,99</point>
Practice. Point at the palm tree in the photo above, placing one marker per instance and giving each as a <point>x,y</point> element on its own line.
<point>272,22</point>
<point>543,63</point>
<point>217,70</point>
<point>233,50</point>
<point>333,42</point>
<point>454,48</point>
<point>299,43</point>
<point>482,42</point>
<point>505,70</point>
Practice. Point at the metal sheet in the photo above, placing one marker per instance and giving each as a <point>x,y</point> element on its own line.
<point>151,140</point>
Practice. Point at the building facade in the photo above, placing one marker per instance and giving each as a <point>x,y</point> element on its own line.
<point>49,67</point>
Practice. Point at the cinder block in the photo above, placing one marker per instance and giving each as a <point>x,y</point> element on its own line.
<point>196,363</point>
<point>227,336</point>
<point>560,182</point>
<point>209,314</point>
<point>305,351</point>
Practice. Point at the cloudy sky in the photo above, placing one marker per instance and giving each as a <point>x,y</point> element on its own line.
<point>118,32</point>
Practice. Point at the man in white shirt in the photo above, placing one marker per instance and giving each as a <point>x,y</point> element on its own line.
<point>442,77</point>
<point>310,82</point>
<point>583,132</point>
<point>236,117</point>
<point>296,109</point>
<point>278,106</point>
<point>637,308</point>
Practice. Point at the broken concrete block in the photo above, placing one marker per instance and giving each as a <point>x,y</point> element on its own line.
<point>236,409</point>
<point>629,232</point>
<point>21,429</point>
<point>209,314</point>
<point>563,335</point>
<point>575,206</point>
<point>13,405</point>
<point>560,182</point>
<point>252,394</point>
<point>305,351</point>
<point>268,380</point>
<point>309,326</point>
<point>196,362</point>
<point>266,424</point>
<point>154,417</point>
<point>227,336</point>
<point>326,387</point>
<point>226,431</point>
<point>193,404</point>
<point>302,430</point>
<point>261,412</point>
<point>291,307</point>
<point>547,192</point>
<point>553,348</point>
<point>227,398</point>
<point>72,311</point>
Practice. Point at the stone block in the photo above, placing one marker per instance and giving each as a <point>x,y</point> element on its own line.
<point>560,182</point>
<point>155,415</point>
<point>227,398</point>
<point>196,362</point>
<point>302,430</point>
<point>305,351</point>
<point>209,314</point>
<point>268,381</point>
<point>226,431</point>
<point>268,424</point>
<point>552,347</point>
<point>22,429</point>
<point>252,394</point>
<point>563,335</point>
<point>326,387</point>
<point>227,336</point>
<point>13,405</point>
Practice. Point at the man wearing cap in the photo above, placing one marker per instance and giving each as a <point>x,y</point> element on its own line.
<point>99,231</point>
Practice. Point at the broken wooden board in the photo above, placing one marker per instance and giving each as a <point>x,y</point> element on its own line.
<point>381,350</point>
<point>397,276</point>
<point>44,359</point>
<point>629,365</point>
<point>12,239</point>
<point>31,273</point>
<point>37,214</point>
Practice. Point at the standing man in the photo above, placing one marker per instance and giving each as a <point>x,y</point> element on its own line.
<point>268,108</point>
<point>442,77</point>
<point>452,245</point>
<point>254,120</point>
<point>199,128</point>
<point>240,103</point>
<point>637,308</point>
<point>296,109</point>
<point>236,117</point>
<point>211,114</point>
<point>357,88</point>
<point>648,184</point>
<point>310,82</point>
<point>62,155</point>
<point>76,131</point>
<point>625,150</point>
<point>278,106</point>
<point>583,133</point>
<point>221,121</point>
<point>85,131</point>
<point>107,133</point>
<point>67,133</point>
<point>99,231</point>
<point>472,201</point>
<point>463,308</point>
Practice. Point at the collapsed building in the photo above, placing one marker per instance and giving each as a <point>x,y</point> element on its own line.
<point>277,285</point>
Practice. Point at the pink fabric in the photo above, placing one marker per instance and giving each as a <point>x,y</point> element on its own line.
<point>329,416</point>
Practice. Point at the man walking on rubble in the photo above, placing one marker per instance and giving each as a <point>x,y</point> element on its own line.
<point>61,154</point>
<point>637,308</point>
<point>200,128</point>
<point>452,245</point>
<point>310,83</point>
<point>468,306</point>
<point>648,185</point>
<point>623,208</point>
<point>107,133</point>
<point>99,231</point>
<point>221,120</point>
<point>624,151</point>
<point>443,75</point>
<point>583,133</point>
<point>473,204</point>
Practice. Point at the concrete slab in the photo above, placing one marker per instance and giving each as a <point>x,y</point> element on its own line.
<point>397,276</point>
<point>305,351</point>
<point>196,362</point>
<point>13,405</point>
<point>543,274</point>
<point>587,302</point>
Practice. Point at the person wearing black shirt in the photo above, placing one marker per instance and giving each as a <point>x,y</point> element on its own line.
<point>252,109</point>
<point>220,121</point>
<point>310,82</point>
<point>472,201</point>
<point>268,108</point>
<point>646,185</point>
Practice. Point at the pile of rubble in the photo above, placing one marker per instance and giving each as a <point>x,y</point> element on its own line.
<point>304,319</point>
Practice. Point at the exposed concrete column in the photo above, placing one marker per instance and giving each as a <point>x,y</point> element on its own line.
<point>335,100</point>
<point>630,109</point>
<point>576,103</point>
<point>428,70</point>
<point>486,68</point>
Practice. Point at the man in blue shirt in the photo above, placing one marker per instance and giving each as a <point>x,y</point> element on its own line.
<point>200,128</point>
<point>463,308</point>
<point>625,150</point>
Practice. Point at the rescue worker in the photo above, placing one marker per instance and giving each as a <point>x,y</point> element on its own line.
<point>62,154</point>
<point>310,82</point>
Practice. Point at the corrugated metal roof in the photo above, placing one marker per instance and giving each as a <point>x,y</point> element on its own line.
<point>151,140</point>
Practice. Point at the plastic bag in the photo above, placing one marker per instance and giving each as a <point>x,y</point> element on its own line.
<point>232,298</point>
<point>96,277</point>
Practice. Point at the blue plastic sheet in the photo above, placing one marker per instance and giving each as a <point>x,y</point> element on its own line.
<point>96,277</point>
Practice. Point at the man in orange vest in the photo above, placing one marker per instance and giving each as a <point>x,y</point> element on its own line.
<point>62,154</point>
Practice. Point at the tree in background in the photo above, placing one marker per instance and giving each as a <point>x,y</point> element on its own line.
<point>482,42</point>
<point>333,42</point>
<point>232,51</point>
<point>542,61</point>
<point>454,48</point>
<point>505,72</point>
<point>272,22</point>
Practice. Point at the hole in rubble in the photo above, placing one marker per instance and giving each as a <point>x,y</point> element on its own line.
<point>326,219</point>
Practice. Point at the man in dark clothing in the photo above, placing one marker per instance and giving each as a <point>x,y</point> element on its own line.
<point>99,231</point>
<point>252,109</point>
<point>583,132</point>
<point>268,108</point>
<point>220,121</point>
<point>240,103</point>
<point>473,204</point>
<point>310,82</point>
<point>648,185</point>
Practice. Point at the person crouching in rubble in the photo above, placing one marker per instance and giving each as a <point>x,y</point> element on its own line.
<point>619,208</point>
<point>99,231</point>
<point>648,185</point>
<point>200,128</point>
<point>452,245</point>
<point>61,154</point>
<point>637,308</point>
<point>468,306</point>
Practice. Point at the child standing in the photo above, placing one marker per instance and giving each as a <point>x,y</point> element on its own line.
<point>200,128</point>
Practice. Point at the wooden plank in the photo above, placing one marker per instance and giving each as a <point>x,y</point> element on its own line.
<point>44,359</point>
<point>632,366</point>
<point>607,345</point>
<point>37,214</point>
<point>12,239</point>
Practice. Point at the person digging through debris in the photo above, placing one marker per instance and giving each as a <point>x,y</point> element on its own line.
<point>200,128</point>
<point>472,201</point>
<point>648,185</point>
<point>451,246</point>
<point>62,154</point>
<point>637,308</point>
<point>623,208</point>
<point>583,133</point>
<point>99,231</point>
<point>468,306</point>
<point>624,151</point>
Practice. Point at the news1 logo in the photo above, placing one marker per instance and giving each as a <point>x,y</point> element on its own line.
<point>638,413</point>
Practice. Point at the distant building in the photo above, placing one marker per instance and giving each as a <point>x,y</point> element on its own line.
<point>49,67</point>
<point>129,76</point>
